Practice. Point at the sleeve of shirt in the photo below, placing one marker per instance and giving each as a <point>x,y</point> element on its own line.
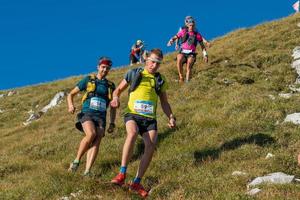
<point>199,37</point>
<point>128,76</point>
<point>82,83</point>
<point>180,33</point>
<point>113,87</point>
<point>165,86</point>
<point>131,73</point>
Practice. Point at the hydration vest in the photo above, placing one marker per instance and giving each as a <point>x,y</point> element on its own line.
<point>135,82</point>
<point>91,88</point>
<point>191,39</point>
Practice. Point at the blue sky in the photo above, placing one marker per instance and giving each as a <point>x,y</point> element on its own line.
<point>46,40</point>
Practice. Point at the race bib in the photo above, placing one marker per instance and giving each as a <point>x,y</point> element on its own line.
<point>98,104</point>
<point>144,107</point>
<point>186,51</point>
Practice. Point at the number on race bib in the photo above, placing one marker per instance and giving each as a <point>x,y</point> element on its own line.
<point>144,107</point>
<point>98,104</point>
<point>186,51</point>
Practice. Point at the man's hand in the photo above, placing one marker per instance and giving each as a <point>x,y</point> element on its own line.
<point>172,122</point>
<point>71,109</point>
<point>170,43</point>
<point>205,58</point>
<point>111,127</point>
<point>207,44</point>
<point>115,102</point>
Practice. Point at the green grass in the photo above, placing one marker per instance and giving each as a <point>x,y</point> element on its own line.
<point>224,125</point>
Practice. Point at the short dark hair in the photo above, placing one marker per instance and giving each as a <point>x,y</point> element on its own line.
<point>157,52</point>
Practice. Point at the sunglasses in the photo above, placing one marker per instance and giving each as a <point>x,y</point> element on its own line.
<point>190,21</point>
<point>154,60</point>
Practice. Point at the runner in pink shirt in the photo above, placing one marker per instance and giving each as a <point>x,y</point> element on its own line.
<point>189,39</point>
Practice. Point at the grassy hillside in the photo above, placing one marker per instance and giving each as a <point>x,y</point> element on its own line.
<point>224,125</point>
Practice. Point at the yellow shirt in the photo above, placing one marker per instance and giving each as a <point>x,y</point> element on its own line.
<point>143,100</point>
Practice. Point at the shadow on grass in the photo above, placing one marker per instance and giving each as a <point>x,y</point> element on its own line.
<point>259,139</point>
<point>139,150</point>
<point>107,166</point>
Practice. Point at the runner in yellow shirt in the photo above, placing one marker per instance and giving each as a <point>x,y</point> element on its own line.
<point>146,85</point>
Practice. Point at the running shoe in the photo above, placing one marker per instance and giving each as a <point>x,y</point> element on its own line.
<point>119,179</point>
<point>138,188</point>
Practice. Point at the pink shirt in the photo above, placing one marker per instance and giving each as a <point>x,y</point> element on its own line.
<point>185,45</point>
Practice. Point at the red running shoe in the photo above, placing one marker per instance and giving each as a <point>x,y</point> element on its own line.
<point>119,179</point>
<point>138,188</point>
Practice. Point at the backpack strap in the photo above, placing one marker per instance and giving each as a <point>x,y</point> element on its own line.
<point>159,82</point>
<point>185,36</point>
<point>90,87</point>
<point>111,87</point>
<point>136,80</point>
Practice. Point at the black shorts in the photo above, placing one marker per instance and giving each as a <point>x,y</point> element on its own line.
<point>187,55</point>
<point>97,119</point>
<point>144,124</point>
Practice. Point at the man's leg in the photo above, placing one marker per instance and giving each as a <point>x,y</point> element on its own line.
<point>90,134</point>
<point>94,149</point>
<point>131,58</point>
<point>150,139</point>
<point>189,65</point>
<point>179,66</point>
<point>132,133</point>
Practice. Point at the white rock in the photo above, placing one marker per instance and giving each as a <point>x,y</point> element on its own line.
<point>277,178</point>
<point>297,48</point>
<point>296,52</point>
<point>271,96</point>
<point>298,25</point>
<point>1,111</point>
<point>2,95</point>
<point>73,194</point>
<point>254,191</point>
<point>64,198</point>
<point>55,101</point>
<point>238,173</point>
<point>10,93</point>
<point>269,155</point>
<point>30,112</point>
<point>297,80</point>
<point>31,118</point>
<point>294,118</point>
<point>76,194</point>
<point>293,88</point>
<point>296,65</point>
<point>26,123</point>
<point>285,95</point>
